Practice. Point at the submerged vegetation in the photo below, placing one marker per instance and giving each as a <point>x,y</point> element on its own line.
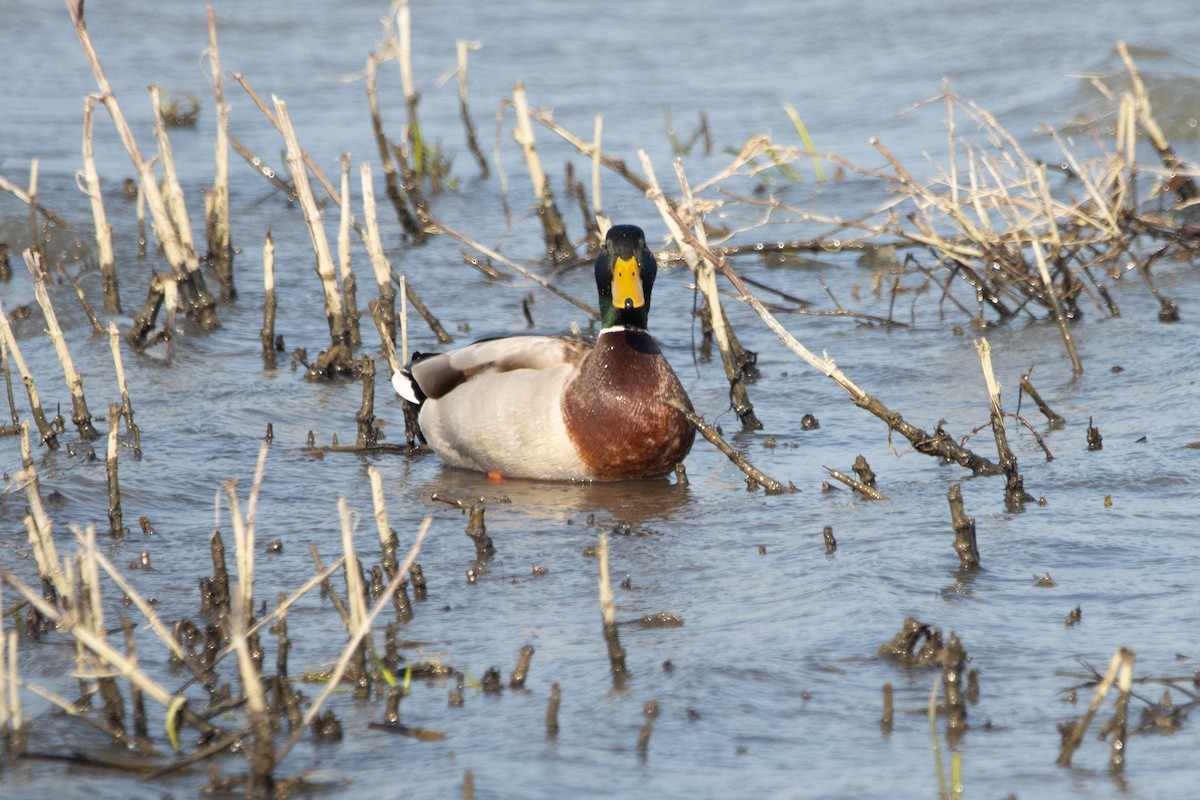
<point>993,238</point>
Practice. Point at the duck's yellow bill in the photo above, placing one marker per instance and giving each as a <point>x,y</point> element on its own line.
<point>627,284</point>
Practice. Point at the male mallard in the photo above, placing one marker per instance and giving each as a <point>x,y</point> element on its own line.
<point>553,408</point>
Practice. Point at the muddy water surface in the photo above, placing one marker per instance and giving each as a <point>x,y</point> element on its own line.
<point>772,687</point>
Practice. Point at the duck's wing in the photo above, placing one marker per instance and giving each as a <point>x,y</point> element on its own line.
<point>437,375</point>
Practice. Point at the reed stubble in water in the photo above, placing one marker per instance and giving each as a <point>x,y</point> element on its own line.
<point>79,409</point>
<point>49,437</point>
<point>608,616</point>
<point>964,531</point>
<point>220,240</point>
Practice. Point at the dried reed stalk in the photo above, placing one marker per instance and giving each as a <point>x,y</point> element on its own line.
<point>608,615</point>
<point>97,328</point>
<point>938,445</point>
<point>79,410</point>
<point>116,528</point>
<point>395,191</point>
<point>349,286</point>
<point>379,262</point>
<point>554,232</point>
<point>515,267</point>
<point>220,242</point>
<point>38,525</point>
<point>1056,421</point>
<point>15,720</point>
<point>356,637</point>
<point>173,191</point>
<point>267,334</point>
<point>753,474</point>
<point>603,223</point>
<point>869,492</point>
<point>1014,487</point>
<point>71,625</point>
<point>15,428</point>
<point>275,122</point>
<point>964,531</point>
<point>733,359</point>
<point>35,232</point>
<point>1121,666</point>
<point>334,311</point>
<point>19,193</point>
<point>48,435</point>
<point>131,428</point>
<point>1186,188</point>
<point>91,187</point>
<point>200,305</point>
<point>462,48</point>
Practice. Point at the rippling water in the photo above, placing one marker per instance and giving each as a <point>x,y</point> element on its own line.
<point>773,687</point>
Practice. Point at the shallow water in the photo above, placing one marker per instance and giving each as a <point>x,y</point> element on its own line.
<point>774,688</point>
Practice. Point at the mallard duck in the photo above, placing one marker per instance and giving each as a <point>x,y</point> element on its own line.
<point>559,408</point>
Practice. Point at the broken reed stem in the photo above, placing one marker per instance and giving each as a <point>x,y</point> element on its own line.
<point>19,193</point>
<point>71,625</point>
<point>516,680</point>
<point>262,755</point>
<point>200,303</point>
<point>1187,188</point>
<point>86,539</point>
<point>141,733</point>
<point>379,262</point>
<point>964,531</point>
<point>869,492</point>
<point>1014,488</point>
<point>116,529</point>
<point>608,614</point>
<point>408,220</point>
<point>462,48</point>
<point>1121,664</point>
<point>267,334</point>
<point>552,711</point>
<point>558,245</point>
<point>35,233</point>
<point>355,638</point>
<point>389,346</point>
<point>438,227</point>
<point>15,719</point>
<point>38,525</point>
<point>356,594</point>
<point>388,542</point>
<point>1056,421</point>
<point>45,430</point>
<point>79,410</point>
<point>262,760</point>
<point>368,431</point>
<point>83,302</point>
<point>939,445</point>
<point>131,428</point>
<point>14,428</point>
<point>603,223</point>
<point>771,485</point>
<point>334,312</point>
<point>403,325</point>
<point>1056,306</point>
<point>410,295</point>
<point>191,279</point>
<point>732,357</point>
<point>349,287</point>
<point>143,322</point>
<point>91,187</point>
<point>220,243</point>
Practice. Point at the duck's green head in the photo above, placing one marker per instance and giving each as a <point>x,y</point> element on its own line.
<point>625,272</point>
